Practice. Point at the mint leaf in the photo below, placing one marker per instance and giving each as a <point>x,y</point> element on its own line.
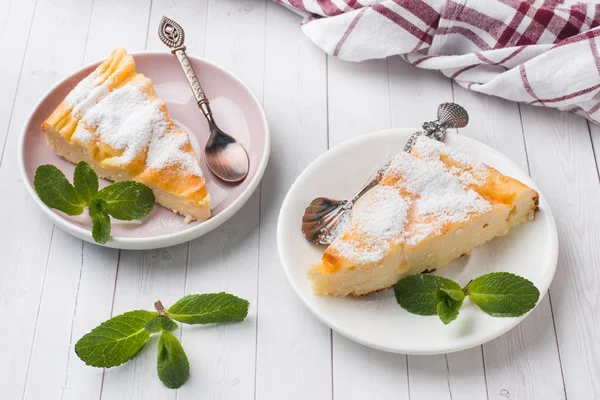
<point>56,191</point>
<point>417,293</point>
<point>115,341</point>
<point>161,323</point>
<point>173,365</point>
<point>502,294</point>
<point>85,181</point>
<point>452,294</point>
<point>449,303</point>
<point>100,221</point>
<point>209,308</point>
<point>127,200</point>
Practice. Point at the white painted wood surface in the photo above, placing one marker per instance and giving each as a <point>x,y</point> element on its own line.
<point>54,288</point>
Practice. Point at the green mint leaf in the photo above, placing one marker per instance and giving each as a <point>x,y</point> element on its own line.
<point>417,293</point>
<point>173,365</point>
<point>502,294</point>
<point>161,323</point>
<point>449,303</point>
<point>209,308</point>
<point>453,294</point>
<point>85,181</point>
<point>100,221</point>
<point>127,200</point>
<point>56,191</point>
<point>115,341</point>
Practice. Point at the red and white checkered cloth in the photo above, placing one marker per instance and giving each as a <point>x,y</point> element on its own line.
<point>537,52</point>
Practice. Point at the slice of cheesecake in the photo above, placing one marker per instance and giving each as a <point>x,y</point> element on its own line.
<point>421,216</point>
<point>114,121</point>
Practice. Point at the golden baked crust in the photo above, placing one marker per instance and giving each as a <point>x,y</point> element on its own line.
<point>114,121</point>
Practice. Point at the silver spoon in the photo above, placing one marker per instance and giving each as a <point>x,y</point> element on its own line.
<point>324,218</point>
<point>224,155</point>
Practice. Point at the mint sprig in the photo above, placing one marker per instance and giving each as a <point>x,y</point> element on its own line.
<point>126,200</point>
<point>499,294</point>
<point>119,339</point>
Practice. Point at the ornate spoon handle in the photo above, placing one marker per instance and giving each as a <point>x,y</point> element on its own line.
<point>173,35</point>
<point>373,181</point>
<point>193,81</point>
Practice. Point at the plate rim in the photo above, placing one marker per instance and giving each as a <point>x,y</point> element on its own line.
<point>544,288</point>
<point>154,242</point>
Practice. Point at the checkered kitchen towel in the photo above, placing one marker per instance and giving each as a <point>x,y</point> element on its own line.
<point>537,52</point>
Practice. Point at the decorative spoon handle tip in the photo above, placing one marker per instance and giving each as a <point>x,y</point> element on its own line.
<point>173,35</point>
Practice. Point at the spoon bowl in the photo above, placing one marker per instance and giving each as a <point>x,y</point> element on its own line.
<point>225,156</point>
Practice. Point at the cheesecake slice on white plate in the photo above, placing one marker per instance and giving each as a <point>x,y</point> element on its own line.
<point>431,207</point>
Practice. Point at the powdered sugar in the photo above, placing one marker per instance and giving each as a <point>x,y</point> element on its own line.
<point>81,91</point>
<point>377,227</point>
<point>384,217</point>
<point>440,198</point>
<point>165,151</point>
<point>472,171</point>
<point>128,120</point>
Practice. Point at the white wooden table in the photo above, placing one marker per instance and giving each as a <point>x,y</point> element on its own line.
<point>54,288</point>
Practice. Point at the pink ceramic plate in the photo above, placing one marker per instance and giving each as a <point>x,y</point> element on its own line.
<point>237,112</point>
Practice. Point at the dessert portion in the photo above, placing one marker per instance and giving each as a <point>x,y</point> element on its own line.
<point>431,207</point>
<point>114,121</point>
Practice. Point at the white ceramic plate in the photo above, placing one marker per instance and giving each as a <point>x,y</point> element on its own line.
<point>529,250</point>
<point>237,111</point>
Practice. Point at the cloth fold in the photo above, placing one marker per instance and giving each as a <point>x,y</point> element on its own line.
<point>537,52</point>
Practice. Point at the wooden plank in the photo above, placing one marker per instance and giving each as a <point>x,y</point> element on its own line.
<point>359,98</point>
<point>78,291</point>
<point>359,103</point>
<point>116,23</point>
<point>15,21</point>
<point>466,375</point>
<point>26,232</point>
<point>360,372</point>
<point>223,356</point>
<point>561,160</point>
<point>51,350</point>
<point>293,348</point>
<point>99,268</point>
<point>513,364</point>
